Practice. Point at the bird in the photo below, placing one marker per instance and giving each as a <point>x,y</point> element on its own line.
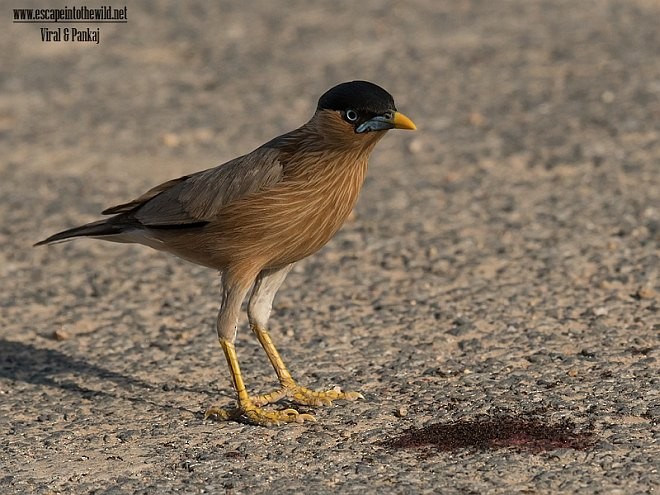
<point>253,217</point>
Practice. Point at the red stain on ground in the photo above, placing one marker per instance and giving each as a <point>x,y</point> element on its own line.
<point>527,434</point>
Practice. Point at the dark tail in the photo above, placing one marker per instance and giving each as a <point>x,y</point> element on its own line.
<point>94,229</point>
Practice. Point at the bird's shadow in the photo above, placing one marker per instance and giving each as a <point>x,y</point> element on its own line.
<point>37,366</point>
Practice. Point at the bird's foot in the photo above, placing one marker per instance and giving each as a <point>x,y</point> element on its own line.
<point>306,397</point>
<point>258,416</point>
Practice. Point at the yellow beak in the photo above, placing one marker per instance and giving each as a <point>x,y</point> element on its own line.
<point>400,121</point>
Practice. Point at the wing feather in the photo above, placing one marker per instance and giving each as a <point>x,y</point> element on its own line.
<point>150,194</point>
<point>195,199</point>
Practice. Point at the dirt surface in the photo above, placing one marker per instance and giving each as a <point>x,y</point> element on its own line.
<point>504,257</point>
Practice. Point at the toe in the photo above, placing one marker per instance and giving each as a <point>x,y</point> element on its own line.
<point>352,396</point>
<point>301,418</point>
<point>265,417</point>
<point>222,414</point>
<point>305,396</point>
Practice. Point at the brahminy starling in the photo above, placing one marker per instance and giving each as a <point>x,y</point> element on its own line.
<point>255,216</point>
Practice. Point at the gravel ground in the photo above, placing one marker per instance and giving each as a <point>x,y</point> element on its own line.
<point>503,259</point>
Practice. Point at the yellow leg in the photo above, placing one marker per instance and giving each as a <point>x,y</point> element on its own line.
<point>290,389</point>
<point>247,407</point>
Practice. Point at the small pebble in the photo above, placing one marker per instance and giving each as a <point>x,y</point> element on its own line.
<point>171,140</point>
<point>416,146</point>
<point>60,335</point>
<point>607,97</point>
<point>645,293</point>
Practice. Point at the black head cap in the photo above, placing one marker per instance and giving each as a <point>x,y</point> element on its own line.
<point>357,95</point>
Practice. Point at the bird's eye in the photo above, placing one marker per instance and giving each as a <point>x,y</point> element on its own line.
<point>388,115</point>
<point>351,115</point>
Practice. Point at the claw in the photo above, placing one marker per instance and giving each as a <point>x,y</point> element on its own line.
<point>222,414</point>
<point>258,416</point>
<point>353,396</point>
<point>301,418</point>
<point>250,408</point>
<point>306,397</point>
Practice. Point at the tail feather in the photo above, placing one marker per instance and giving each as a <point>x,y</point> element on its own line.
<point>94,229</point>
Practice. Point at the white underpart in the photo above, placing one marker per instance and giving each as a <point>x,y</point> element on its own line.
<point>263,293</point>
<point>230,309</point>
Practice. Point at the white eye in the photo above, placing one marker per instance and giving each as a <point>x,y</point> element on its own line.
<point>351,115</point>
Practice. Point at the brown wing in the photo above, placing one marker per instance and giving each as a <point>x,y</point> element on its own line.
<point>150,194</point>
<point>196,198</point>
